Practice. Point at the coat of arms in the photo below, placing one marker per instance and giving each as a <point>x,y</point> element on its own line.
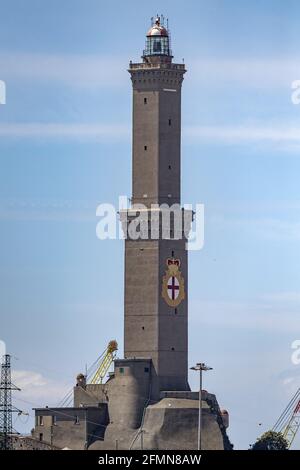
<point>173,283</point>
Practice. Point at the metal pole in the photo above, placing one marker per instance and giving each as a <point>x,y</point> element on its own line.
<point>200,410</point>
<point>200,366</point>
<point>86,431</point>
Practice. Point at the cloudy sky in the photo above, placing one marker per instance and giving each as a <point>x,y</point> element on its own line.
<point>65,146</point>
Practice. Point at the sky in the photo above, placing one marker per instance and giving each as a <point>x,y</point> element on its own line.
<point>65,147</point>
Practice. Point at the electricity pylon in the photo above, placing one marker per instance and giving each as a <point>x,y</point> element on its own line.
<point>6,407</point>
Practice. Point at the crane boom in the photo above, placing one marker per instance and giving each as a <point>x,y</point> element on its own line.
<point>288,423</point>
<point>95,373</point>
<point>293,425</point>
<point>105,363</point>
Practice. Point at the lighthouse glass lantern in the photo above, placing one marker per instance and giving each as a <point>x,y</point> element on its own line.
<point>158,41</point>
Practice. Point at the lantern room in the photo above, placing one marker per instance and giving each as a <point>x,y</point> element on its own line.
<point>158,40</point>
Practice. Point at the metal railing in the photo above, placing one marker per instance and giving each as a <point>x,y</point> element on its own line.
<point>144,65</point>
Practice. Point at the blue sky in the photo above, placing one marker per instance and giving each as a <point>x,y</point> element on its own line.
<point>65,146</point>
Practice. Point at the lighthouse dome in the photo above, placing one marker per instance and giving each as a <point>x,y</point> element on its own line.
<point>157,30</point>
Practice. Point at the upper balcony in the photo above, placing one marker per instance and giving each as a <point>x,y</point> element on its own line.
<point>158,65</point>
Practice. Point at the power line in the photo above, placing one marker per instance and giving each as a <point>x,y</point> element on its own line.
<point>67,399</point>
<point>56,410</point>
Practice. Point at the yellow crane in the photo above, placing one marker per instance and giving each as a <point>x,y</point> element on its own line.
<point>288,424</point>
<point>105,362</point>
<point>102,365</point>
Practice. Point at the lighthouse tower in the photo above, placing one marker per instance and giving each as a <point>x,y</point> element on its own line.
<point>146,402</point>
<point>156,269</point>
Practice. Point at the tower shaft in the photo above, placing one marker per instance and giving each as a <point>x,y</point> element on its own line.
<point>156,268</point>
<point>156,132</point>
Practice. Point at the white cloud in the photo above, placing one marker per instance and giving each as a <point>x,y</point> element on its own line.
<point>290,380</point>
<point>28,379</point>
<point>64,215</point>
<point>48,210</point>
<point>244,134</point>
<point>262,73</point>
<point>103,71</point>
<point>231,135</point>
<point>290,297</point>
<point>73,70</point>
<point>36,389</point>
<point>73,131</point>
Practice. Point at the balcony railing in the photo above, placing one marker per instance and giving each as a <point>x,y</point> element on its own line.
<point>144,65</point>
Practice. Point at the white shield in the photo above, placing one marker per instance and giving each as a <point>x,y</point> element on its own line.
<point>173,287</point>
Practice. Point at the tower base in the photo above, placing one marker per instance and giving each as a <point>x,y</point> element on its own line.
<point>126,413</point>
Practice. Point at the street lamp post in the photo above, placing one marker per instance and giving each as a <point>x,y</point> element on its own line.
<point>200,366</point>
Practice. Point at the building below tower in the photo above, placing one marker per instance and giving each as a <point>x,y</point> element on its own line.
<point>120,414</point>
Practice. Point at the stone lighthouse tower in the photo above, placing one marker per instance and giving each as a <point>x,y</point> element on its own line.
<point>156,267</point>
<point>146,402</point>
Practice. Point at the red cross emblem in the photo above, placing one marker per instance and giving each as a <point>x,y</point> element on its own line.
<point>173,283</point>
<point>173,287</point>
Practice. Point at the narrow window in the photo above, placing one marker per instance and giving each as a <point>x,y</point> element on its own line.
<point>121,370</point>
<point>41,436</point>
<point>170,122</point>
<point>145,100</point>
<point>169,167</point>
<point>54,420</point>
<point>76,421</point>
<point>145,147</point>
<point>172,253</point>
<point>41,420</point>
<point>143,327</point>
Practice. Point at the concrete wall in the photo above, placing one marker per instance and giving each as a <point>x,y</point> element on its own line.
<point>75,428</point>
<point>141,299</point>
<point>172,423</point>
<point>91,395</point>
<point>156,170</point>
<point>173,323</point>
<point>145,165</point>
<point>129,391</point>
<point>152,328</point>
<point>169,142</point>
